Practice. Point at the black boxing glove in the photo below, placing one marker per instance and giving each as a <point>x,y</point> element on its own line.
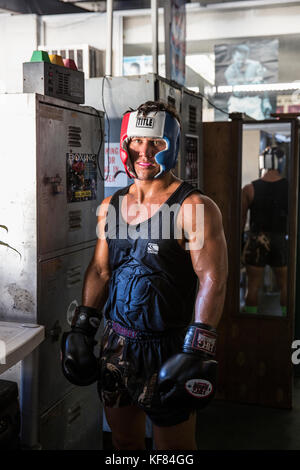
<point>188,379</point>
<point>79,364</point>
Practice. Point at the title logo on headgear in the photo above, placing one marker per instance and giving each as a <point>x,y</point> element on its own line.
<point>145,122</point>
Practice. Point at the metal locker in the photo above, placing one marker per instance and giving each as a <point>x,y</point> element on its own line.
<point>51,152</point>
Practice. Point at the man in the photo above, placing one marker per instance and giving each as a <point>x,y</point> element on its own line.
<point>151,361</point>
<point>245,71</point>
<point>267,200</point>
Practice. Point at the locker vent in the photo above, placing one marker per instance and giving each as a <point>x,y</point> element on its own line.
<point>74,276</point>
<point>75,220</point>
<point>172,101</point>
<point>74,136</point>
<point>63,83</point>
<point>192,119</point>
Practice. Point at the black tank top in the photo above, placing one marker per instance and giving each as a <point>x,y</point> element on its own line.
<point>269,208</point>
<point>153,284</point>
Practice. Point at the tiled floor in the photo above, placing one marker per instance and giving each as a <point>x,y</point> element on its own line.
<point>230,426</point>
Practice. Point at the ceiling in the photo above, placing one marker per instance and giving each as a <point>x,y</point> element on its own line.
<point>45,7</point>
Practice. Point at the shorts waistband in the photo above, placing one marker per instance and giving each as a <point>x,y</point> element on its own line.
<point>138,334</point>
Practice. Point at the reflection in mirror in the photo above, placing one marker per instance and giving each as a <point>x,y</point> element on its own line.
<point>264,218</point>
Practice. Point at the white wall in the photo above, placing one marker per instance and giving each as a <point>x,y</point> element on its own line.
<point>204,25</point>
<point>243,23</point>
<point>85,28</point>
<point>18,38</point>
<point>138,29</point>
<point>250,153</point>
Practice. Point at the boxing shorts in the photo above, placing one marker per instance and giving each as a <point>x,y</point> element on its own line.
<point>266,248</point>
<point>129,363</point>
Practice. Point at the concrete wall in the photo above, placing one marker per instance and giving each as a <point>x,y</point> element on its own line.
<point>18,38</point>
<point>250,153</point>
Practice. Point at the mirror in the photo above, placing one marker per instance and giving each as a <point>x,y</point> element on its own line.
<point>264,218</point>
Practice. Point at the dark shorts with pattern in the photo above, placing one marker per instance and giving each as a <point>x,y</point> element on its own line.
<point>266,248</point>
<point>129,362</point>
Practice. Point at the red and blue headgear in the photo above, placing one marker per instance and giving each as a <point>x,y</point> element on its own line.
<point>156,125</point>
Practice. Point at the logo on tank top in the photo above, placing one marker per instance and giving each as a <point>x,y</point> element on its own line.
<point>152,248</point>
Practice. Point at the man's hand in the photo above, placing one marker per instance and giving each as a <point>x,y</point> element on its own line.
<point>79,364</point>
<point>188,379</point>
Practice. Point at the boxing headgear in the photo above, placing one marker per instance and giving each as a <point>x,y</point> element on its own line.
<point>156,125</point>
<point>271,158</point>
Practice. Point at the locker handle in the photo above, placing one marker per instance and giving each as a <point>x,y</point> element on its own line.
<point>55,181</point>
<point>55,331</point>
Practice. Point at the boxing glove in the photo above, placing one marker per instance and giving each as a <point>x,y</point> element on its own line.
<point>188,379</point>
<point>79,364</point>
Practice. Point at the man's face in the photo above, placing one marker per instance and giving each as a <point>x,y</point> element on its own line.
<point>239,59</point>
<point>142,152</point>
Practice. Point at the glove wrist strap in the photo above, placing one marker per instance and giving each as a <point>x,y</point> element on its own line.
<point>200,339</point>
<point>86,320</point>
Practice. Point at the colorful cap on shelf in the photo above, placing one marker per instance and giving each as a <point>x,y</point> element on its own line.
<point>56,59</point>
<point>70,64</point>
<point>40,56</point>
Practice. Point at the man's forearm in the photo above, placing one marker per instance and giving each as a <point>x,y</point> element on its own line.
<point>210,301</point>
<point>95,288</point>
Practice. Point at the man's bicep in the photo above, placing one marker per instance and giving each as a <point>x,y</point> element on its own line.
<point>101,253</point>
<point>245,198</point>
<point>211,258</point>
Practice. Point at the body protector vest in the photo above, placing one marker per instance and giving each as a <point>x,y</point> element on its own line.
<point>153,284</point>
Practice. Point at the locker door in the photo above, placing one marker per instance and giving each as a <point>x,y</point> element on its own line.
<point>69,186</point>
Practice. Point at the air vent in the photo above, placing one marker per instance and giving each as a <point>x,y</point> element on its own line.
<point>172,101</point>
<point>192,119</point>
<point>74,220</point>
<point>74,276</point>
<point>63,83</point>
<point>74,136</point>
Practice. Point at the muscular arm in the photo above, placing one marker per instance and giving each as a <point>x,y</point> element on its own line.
<point>95,287</point>
<point>247,196</point>
<point>208,252</point>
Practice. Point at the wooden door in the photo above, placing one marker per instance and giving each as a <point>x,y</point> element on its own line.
<point>254,352</point>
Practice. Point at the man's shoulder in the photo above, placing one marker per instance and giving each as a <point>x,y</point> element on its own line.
<point>197,199</point>
<point>248,191</point>
<point>248,187</point>
<point>106,201</point>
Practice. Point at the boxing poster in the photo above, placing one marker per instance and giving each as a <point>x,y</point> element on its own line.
<point>240,65</point>
<point>175,40</point>
<point>114,172</point>
<point>81,177</point>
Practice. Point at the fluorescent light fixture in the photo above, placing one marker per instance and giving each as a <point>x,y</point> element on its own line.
<point>257,87</point>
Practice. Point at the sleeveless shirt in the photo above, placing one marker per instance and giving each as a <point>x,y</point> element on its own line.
<point>269,208</point>
<point>153,283</point>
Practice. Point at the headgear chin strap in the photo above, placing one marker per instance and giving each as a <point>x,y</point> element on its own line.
<point>271,158</point>
<point>156,125</point>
